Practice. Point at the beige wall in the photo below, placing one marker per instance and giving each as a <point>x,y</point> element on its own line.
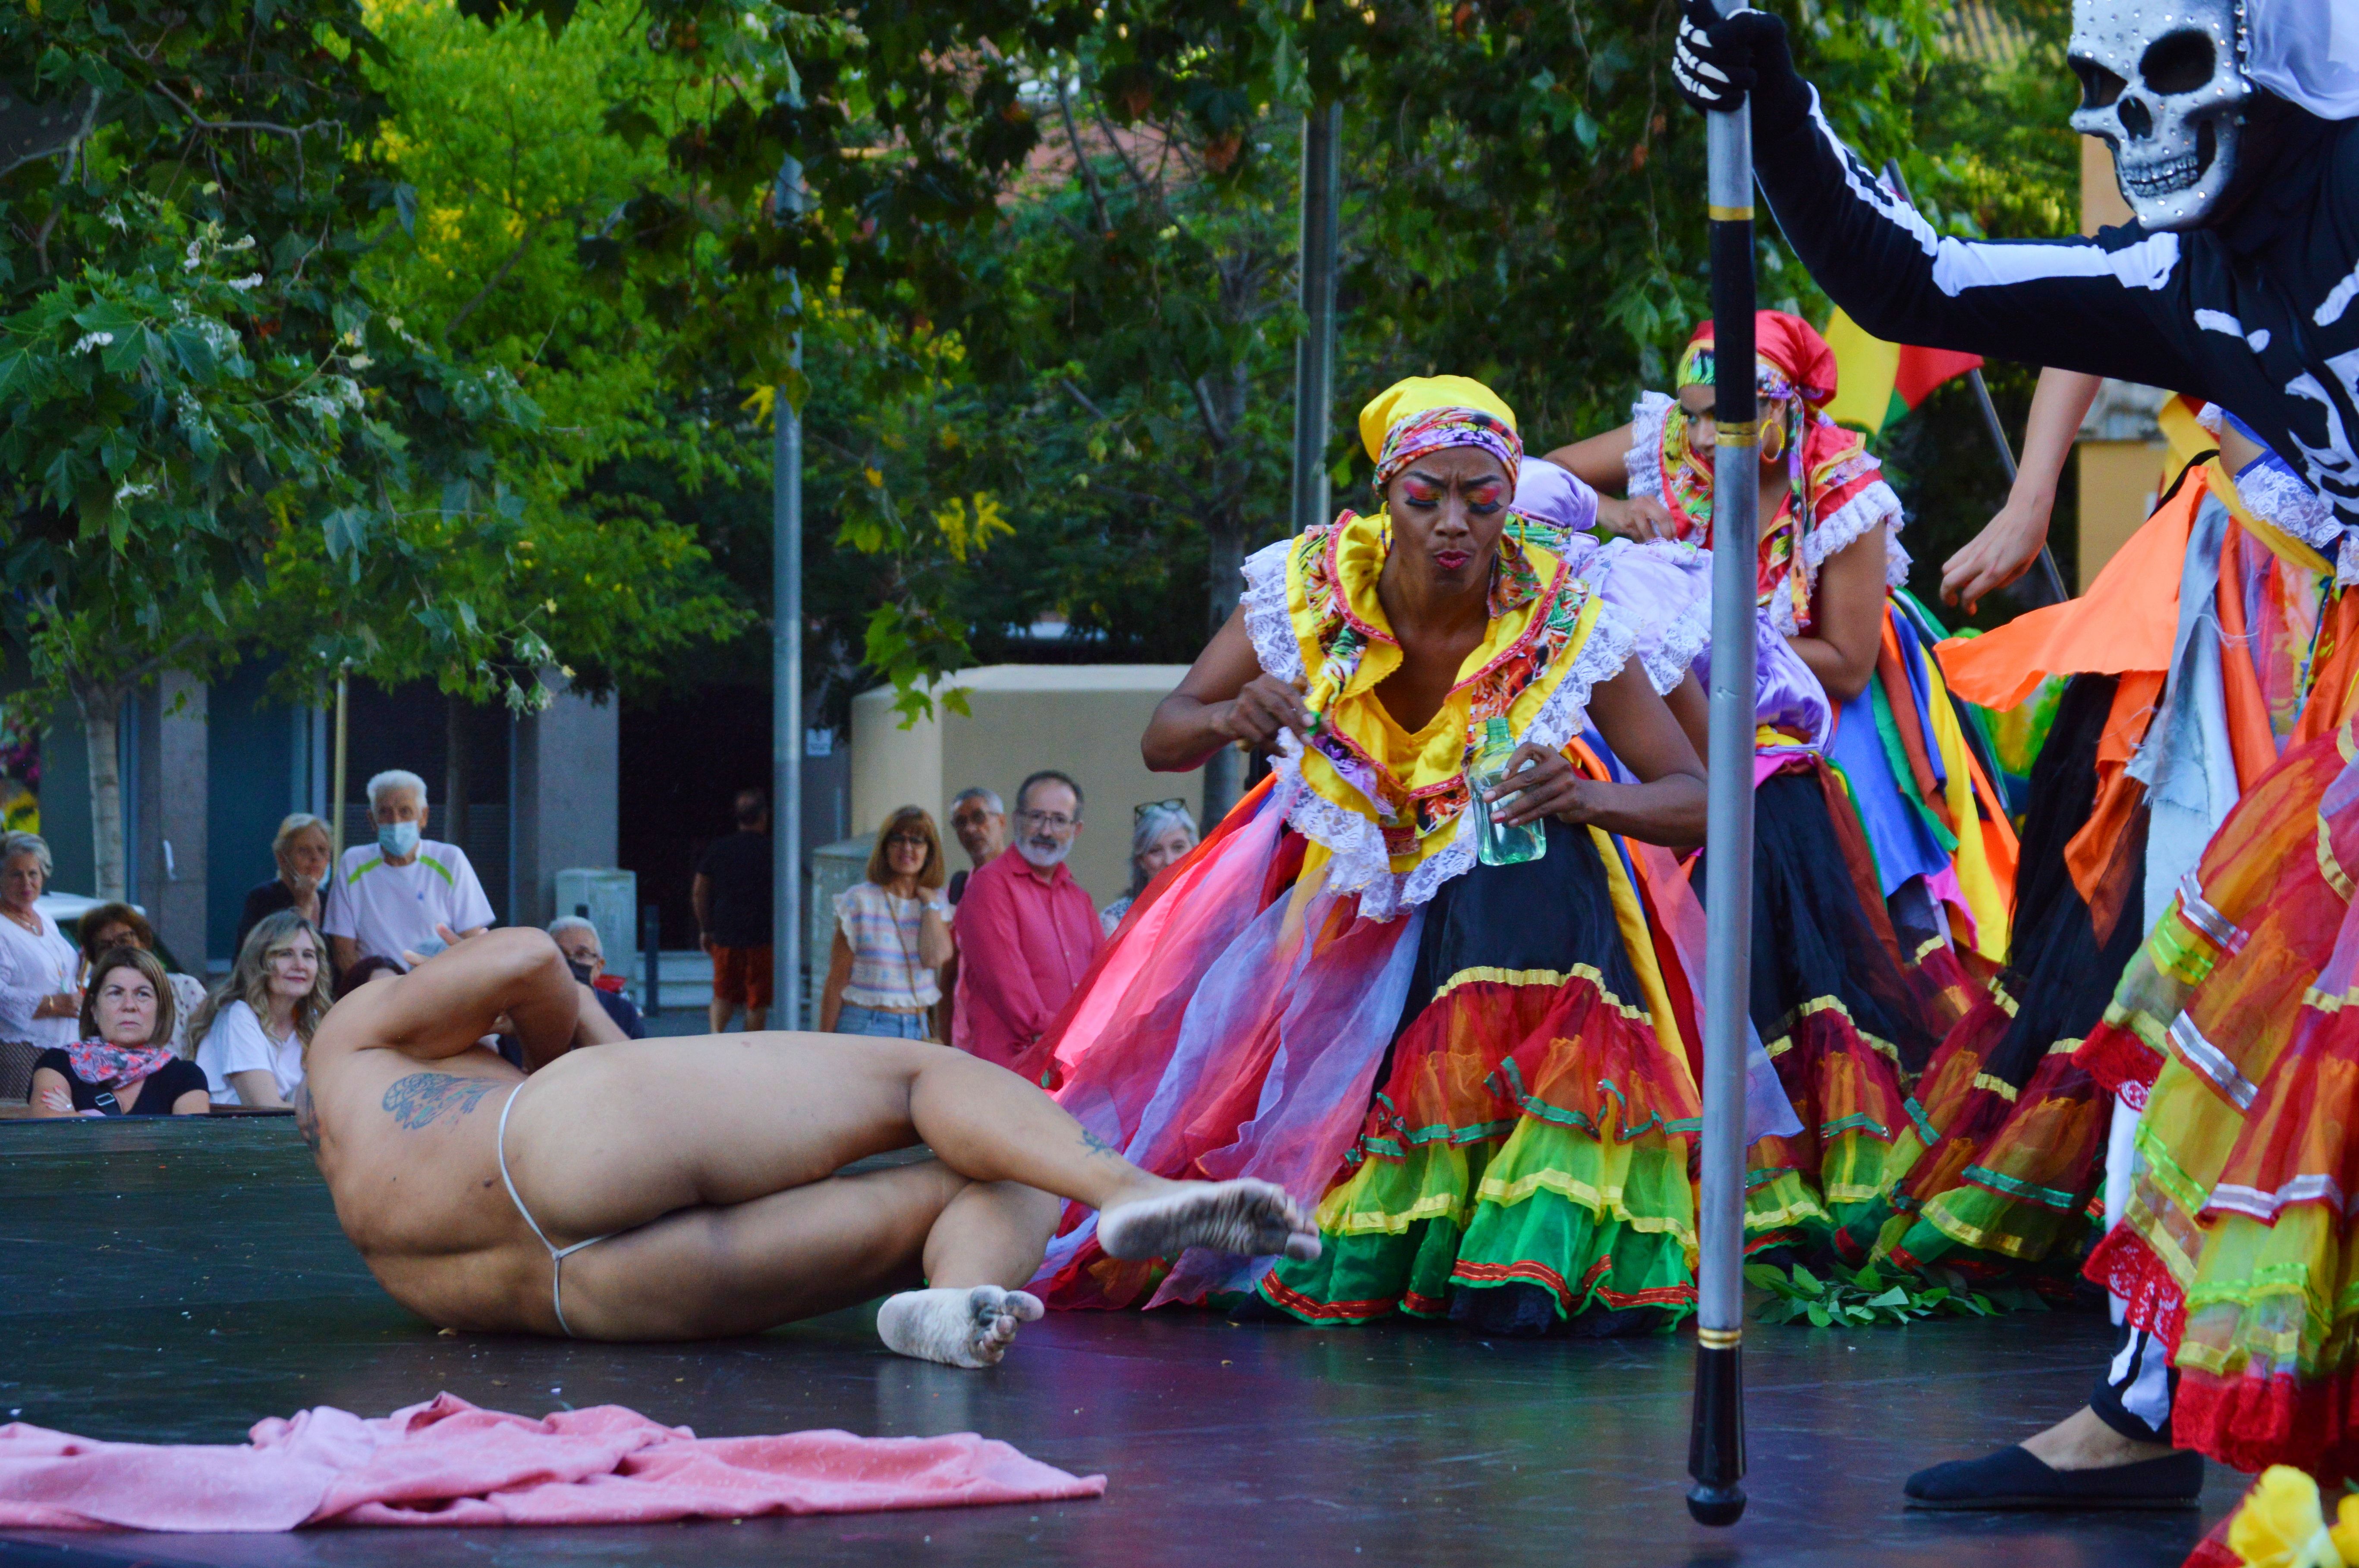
<point>2102,205</point>
<point>2119,483</point>
<point>1083,719</point>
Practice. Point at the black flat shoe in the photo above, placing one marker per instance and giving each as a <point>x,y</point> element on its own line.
<point>2012,1479</point>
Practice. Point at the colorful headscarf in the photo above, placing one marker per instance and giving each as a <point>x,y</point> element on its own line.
<point>113,1066</point>
<point>1828,467</point>
<point>1426,413</point>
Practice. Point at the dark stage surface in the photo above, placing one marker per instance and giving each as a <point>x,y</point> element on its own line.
<point>176,1282</point>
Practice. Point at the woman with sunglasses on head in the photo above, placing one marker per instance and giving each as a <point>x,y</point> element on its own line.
<point>124,1065</point>
<point>892,936</point>
<point>1160,832</point>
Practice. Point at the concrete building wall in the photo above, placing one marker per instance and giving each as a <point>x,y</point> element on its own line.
<point>566,788</point>
<point>1084,719</point>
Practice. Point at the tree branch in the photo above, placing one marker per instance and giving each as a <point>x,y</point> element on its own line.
<point>531,233</point>
<point>1219,437</point>
<point>1082,398</point>
<point>1080,156</point>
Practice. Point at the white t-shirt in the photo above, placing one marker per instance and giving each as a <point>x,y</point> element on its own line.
<point>387,909</point>
<point>237,1043</point>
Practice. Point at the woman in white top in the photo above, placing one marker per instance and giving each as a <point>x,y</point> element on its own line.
<point>1160,832</point>
<point>39,999</point>
<point>106,927</point>
<point>252,1032</point>
<point>892,936</point>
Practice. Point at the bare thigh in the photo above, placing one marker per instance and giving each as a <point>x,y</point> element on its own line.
<point>707,1271</point>
<point>613,1138</point>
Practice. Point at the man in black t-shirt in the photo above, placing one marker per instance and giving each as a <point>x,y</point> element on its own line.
<point>732,893</point>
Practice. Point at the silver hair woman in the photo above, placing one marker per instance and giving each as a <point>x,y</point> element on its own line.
<point>251,1033</point>
<point>1160,832</point>
<point>39,1000</point>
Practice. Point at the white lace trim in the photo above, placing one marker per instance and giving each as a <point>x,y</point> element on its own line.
<point>1269,621</point>
<point>2208,417</point>
<point>1668,640</point>
<point>2282,500</point>
<point>1646,416</point>
<point>1357,845</point>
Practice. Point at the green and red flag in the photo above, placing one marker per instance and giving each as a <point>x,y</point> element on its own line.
<point>1877,382</point>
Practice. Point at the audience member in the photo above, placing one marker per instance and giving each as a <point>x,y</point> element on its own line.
<point>1026,930</point>
<point>732,893</point>
<point>121,1065</point>
<point>980,823</point>
<point>585,954</point>
<point>892,936</point>
<point>252,1032</point>
<point>104,928</point>
<point>1160,832</point>
<point>390,896</point>
<point>303,848</point>
<point>38,998</point>
<point>351,980</point>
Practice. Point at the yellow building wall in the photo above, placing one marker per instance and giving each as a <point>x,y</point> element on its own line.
<point>1083,719</point>
<point>2120,481</point>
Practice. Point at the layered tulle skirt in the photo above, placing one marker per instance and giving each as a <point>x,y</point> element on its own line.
<point>1488,1100</point>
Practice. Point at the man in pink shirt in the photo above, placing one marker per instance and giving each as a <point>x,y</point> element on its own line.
<point>1026,930</point>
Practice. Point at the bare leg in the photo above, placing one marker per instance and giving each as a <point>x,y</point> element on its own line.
<point>757,1018</point>
<point>717,1013</point>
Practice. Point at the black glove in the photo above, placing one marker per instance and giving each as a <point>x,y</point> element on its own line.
<point>1719,59</point>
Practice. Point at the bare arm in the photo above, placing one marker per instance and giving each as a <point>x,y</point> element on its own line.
<point>1225,697</point>
<point>934,945</point>
<point>1692,709</point>
<point>1667,806</point>
<point>1849,627</point>
<point>700,894</point>
<point>52,1094</point>
<point>447,1003</point>
<point>255,1086</point>
<point>2011,542</point>
<point>839,975</point>
<point>195,1103</point>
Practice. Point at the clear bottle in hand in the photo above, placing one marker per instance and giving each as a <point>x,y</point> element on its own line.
<point>1496,844</point>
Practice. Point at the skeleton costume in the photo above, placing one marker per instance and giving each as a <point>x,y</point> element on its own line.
<point>2230,1193</point>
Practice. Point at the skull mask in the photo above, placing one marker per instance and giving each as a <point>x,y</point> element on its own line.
<point>2163,82</point>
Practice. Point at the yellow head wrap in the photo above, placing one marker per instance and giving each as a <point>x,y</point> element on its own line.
<point>1424,413</point>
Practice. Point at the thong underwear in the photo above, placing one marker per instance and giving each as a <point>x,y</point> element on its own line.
<point>556,1255</point>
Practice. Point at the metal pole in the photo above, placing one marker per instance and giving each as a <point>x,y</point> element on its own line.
<point>336,809</point>
<point>1314,354</point>
<point>2053,578</point>
<point>786,671</point>
<point>1716,1441</point>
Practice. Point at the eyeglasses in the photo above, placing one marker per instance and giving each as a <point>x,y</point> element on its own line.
<point>1177,803</point>
<point>1049,821</point>
<point>908,841</point>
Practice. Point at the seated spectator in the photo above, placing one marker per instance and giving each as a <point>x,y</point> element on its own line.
<point>892,936</point>
<point>252,1032</point>
<point>106,927</point>
<point>304,849</point>
<point>38,998</point>
<point>980,823</point>
<point>585,954</point>
<point>1026,930</point>
<point>366,970</point>
<point>1160,832</point>
<point>732,895</point>
<point>389,897</point>
<point>122,1066</point>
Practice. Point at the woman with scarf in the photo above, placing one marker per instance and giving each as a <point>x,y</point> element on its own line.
<point>1478,1071</point>
<point>124,1065</point>
<point>1881,833</point>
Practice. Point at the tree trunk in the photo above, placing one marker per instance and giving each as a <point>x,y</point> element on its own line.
<point>1224,551</point>
<point>101,707</point>
<point>457,781</point>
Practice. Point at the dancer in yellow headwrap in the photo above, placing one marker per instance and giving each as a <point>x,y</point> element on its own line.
<point>1476,1071</point>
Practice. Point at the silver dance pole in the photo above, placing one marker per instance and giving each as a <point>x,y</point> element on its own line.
<point>1716,1443</point>
<point>786,671</point>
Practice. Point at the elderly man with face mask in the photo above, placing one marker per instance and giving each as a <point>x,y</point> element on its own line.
<point>1026,930</point>
<point>2229,1042</point>
<point>398,896</point>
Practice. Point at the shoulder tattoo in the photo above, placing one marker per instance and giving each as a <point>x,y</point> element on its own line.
<point>423,1097</point>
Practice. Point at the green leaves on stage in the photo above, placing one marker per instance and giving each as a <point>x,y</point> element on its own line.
<point>1869,1296</point>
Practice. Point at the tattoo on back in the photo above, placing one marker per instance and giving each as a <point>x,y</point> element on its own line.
<point>306,1119</point>
<point>423,1096</point>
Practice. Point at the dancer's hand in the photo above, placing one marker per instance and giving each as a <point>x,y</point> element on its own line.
<point>1640,518</point>
<point>1719,59</point>
<point>2002,552</point>
<point>1544,784</point>
<point>1261,709</point>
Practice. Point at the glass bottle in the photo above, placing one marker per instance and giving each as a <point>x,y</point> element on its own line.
<point>1495,844</point>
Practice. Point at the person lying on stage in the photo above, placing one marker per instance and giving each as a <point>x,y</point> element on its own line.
<point>681,1188</point>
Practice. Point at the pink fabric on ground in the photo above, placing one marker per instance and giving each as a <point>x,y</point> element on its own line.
<point>448,1463</point>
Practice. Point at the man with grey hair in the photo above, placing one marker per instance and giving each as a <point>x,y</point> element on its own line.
<point>1027,931</point>
<point>398,894</point>
<point>980,823</point>
<point>585,954</point>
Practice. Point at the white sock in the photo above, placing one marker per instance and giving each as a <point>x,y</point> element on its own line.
<point>969,1325</point>
<point>1257,1219</point>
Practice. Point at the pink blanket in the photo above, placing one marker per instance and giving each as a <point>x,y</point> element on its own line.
<point>448,1463</point>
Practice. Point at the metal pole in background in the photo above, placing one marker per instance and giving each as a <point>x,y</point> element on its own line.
<point>1716,1441</point>
<point>336,807</point>
<point>786,671</point>
<point>2048,573</point>
<point>1314,354</point>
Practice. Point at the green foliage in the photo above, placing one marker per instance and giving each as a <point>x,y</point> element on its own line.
<point>1867,1296</point>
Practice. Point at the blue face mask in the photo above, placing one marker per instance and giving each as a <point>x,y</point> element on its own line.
<point>397,840</point>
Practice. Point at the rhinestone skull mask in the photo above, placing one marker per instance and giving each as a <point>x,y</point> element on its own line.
<point>2163,82</point>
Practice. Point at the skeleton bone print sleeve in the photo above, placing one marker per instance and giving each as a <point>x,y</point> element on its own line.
<point>2260,315</point>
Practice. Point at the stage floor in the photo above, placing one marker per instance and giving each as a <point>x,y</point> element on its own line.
<point>177,1281</point>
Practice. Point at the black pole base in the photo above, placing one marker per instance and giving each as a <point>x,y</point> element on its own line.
<point>1716,1506</point>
